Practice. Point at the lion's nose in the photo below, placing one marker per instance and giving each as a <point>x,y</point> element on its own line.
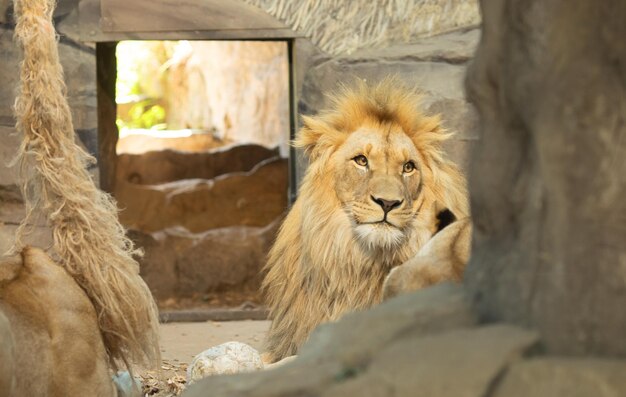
<point>387,205</point>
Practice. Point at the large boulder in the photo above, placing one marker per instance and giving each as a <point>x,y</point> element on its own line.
<point>170,165</point>
<point>253,198</point>
<point>547,181</point>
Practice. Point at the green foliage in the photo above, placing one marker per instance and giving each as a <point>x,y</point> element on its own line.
<point>143,115</point>
<point>139,74</point>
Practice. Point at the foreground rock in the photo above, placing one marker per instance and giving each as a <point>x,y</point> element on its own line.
<point>423,341</point>
<point>462,362</point>
<point>546,184</point>
<point>567,377</point>
<point>252,198</point>
<point>181,264</point>
<point>157,167</point>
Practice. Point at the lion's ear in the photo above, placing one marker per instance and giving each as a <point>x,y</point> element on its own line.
<point>316,137</point>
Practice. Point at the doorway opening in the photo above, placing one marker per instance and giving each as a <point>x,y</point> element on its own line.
<point>196,138</point>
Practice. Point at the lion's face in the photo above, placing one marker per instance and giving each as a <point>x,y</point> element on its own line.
<point>378,178</point>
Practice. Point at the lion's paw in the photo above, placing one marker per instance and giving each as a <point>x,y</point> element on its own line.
<point>408,277</point>
<point>394,282</point>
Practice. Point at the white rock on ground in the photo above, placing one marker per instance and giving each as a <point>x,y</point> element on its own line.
<point>227,358</point>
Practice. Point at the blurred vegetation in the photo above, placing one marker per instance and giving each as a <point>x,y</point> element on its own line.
<point>141,66</point>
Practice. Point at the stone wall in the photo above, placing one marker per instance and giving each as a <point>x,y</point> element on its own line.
<point>162,166</point>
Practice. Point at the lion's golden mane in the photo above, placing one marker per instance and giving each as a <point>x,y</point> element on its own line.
<point>317,270</point>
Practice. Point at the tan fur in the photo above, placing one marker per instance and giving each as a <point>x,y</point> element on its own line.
<point>56,347</point>
<point>443,258</point>
<point>332,253</point>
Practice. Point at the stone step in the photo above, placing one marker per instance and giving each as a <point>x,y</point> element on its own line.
<point>178,263</point>
<point>253,198</point>
<point>163,166</point>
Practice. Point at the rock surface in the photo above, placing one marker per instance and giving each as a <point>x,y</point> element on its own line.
<point>9,78</point>
<point>254,198</point>
<point>170,165</point>
<point>40,236</point>
<point>181,264</point>
<point>564,377</point>
<point>422,341</point>
<point>547,181</point>
<point>455,363</point>
<point>126,385</point>
<point>224,359</point>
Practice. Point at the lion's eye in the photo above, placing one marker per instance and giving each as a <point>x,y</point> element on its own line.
<point>361,160</point>
<point>408,167</point>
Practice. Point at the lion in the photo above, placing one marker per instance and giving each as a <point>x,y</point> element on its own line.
<point>51,341</point>
<point>377,189</point>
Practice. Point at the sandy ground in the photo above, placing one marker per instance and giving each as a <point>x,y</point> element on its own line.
<point>181,342</point>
